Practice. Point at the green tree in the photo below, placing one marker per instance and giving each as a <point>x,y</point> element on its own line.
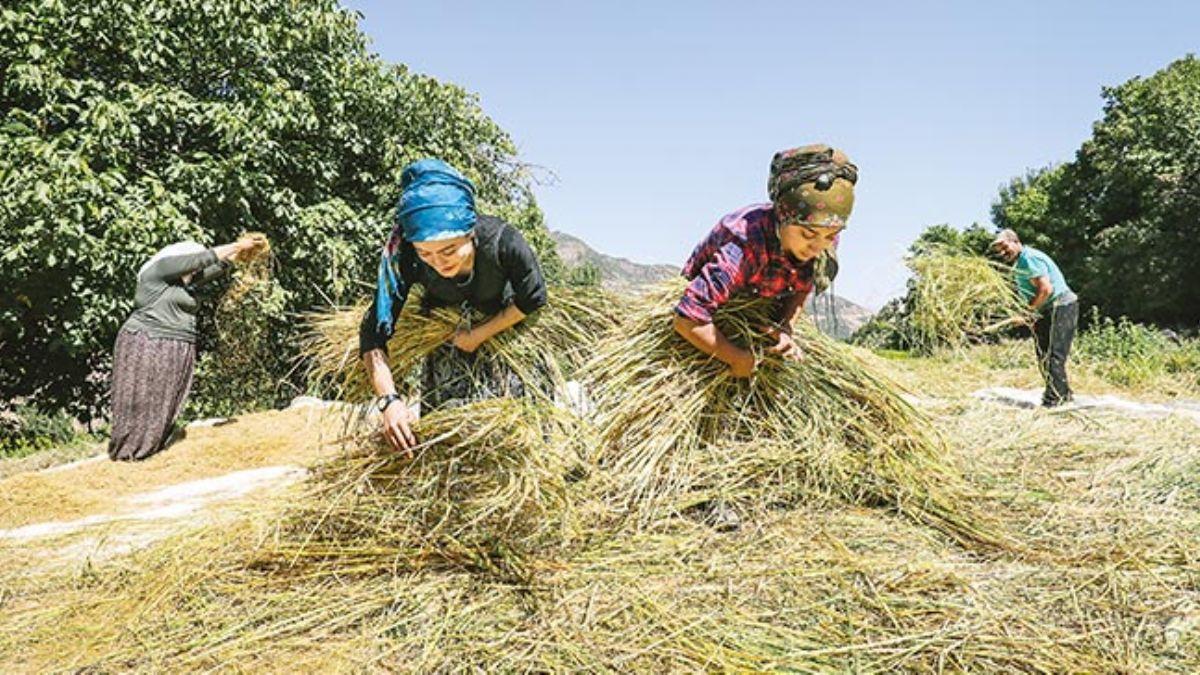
<point>973,239</point>
<point>1123,218</point>
<point>125,126</point>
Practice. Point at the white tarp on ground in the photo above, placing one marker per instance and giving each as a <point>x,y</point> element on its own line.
<point>169,503</point>
<point>1032,398</point>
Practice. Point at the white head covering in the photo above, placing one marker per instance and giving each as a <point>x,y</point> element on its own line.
<point>178,248</point>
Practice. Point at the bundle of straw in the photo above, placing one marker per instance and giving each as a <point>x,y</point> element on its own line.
<point>241,370</point>
<point>547,346</point>
<point>253,270</point>
<point>677,428</point>
<point>486,488</point>
<point>958,298</point>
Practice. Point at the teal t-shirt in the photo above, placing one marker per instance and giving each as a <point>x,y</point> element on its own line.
<point>1032,263</point>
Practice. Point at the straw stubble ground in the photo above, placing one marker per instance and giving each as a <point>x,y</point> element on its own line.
<point>1105,578</point>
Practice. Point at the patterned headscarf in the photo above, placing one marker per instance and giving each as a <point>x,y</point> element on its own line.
<point>812,185</point>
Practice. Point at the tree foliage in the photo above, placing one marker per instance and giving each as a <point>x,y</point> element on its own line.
<point>1123,218</point>
<point>125,126</point>
<point>974,239</point>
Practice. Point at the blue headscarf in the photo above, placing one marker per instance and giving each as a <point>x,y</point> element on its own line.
<point>436,202</point>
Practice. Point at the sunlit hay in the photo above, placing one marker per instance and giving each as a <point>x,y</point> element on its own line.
<point>253,270</point>
<point>1091,488</point>
<point>817,590</point>
<point>252,441</point>
<point>241,370</point>
<point>543,351</point>
<point>677,428</point>
<point>488,488</point>
<point>830,590</point>
<point>959,298</point>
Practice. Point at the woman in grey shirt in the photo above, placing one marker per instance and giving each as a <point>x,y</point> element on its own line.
<point>156,348</point>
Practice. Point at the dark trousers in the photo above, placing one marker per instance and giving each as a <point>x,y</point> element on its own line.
<point>1052,336</point>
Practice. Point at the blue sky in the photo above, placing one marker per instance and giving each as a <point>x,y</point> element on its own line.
<point>656,118</point>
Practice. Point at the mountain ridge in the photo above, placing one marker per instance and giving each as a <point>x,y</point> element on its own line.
<point>834,315</point>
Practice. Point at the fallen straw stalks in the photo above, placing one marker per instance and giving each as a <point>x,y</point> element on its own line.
<point>487,488</point>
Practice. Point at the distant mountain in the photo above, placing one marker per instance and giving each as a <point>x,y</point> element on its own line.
<point>615,273</point>
<point>835,315</point>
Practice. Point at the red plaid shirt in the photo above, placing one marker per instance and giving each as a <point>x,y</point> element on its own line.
<point>742,254</point>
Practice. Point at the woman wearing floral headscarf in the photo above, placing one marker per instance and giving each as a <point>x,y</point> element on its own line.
<point>775,250</point>
<point>462,259</point>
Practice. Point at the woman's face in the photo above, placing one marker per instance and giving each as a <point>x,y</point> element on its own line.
<point>448,257</point>
<point>804,242</point>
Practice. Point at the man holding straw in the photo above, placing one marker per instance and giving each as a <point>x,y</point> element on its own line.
<point>461,259</point>
<point>772,250</point>
<point>1043,286</point>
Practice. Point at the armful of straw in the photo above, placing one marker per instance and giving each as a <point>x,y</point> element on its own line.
<point>709,339</point>
<point>481,333</point>
<point>791,307</point>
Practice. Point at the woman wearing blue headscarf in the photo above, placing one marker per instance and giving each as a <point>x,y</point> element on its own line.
<point>461,259</point>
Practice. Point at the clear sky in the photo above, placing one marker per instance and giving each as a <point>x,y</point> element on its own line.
<point>656,118</point>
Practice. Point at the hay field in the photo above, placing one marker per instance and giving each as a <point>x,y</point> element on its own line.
<point>1101,577</point>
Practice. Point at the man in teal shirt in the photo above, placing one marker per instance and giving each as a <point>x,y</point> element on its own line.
<point>1042,285</point>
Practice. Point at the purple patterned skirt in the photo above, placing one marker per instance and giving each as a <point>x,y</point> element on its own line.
<point>151,380</point>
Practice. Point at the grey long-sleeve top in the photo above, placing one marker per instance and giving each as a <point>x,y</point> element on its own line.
<point>166,306</point>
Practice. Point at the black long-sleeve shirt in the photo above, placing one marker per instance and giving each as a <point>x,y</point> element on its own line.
<point>166,306</point>
<point>505,272</point>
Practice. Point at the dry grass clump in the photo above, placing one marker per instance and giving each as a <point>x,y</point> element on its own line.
<point>239,369</point>
<point>817,590</point>
<point>958,298</point>
<point>254,266</point>
<point>1087,488</point>
<point>487,488</point>
<point>677,429</point>
<point>546,348</point>
<point>816,587</point>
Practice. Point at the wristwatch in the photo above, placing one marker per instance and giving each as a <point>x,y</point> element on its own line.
<point>384,401</point>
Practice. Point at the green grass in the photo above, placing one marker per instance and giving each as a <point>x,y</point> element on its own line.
<point>26,430</point>
<point>1133,355</point>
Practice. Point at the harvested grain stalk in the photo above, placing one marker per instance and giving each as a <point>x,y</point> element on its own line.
<point>544,350</point>
<point>487,489</point>
<point>958,299</point>
<point>677,429</point>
